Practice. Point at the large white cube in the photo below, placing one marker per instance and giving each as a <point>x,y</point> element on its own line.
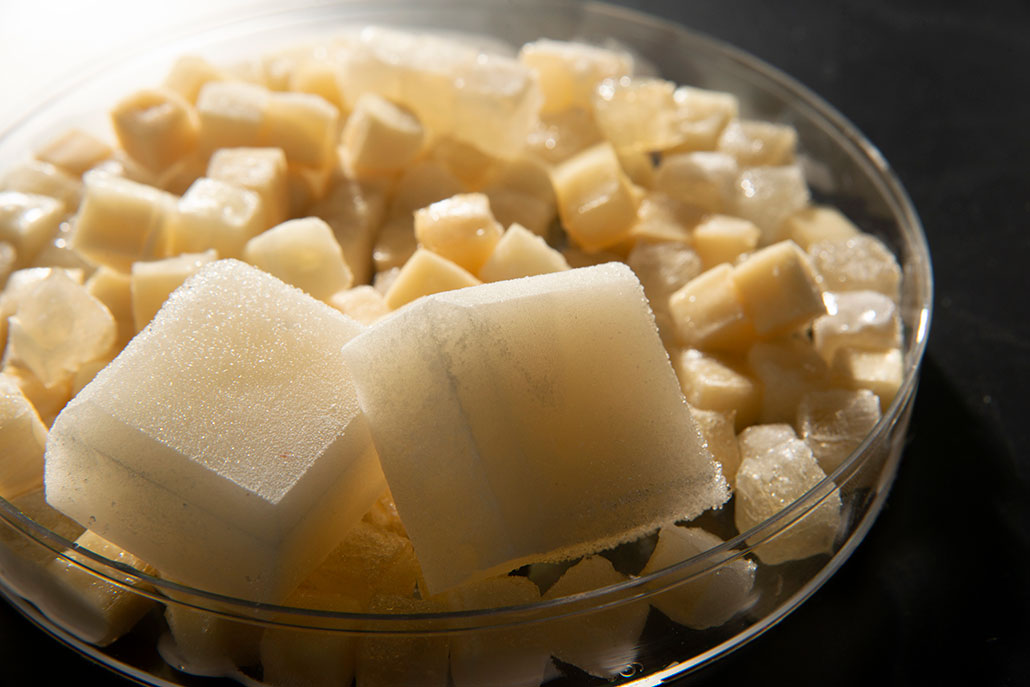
<point>531,419</point>
<point>224,445</point>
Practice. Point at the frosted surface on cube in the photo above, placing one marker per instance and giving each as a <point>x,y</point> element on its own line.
<point>769,195</point>
<point>526,419</point>
<point>771,480</point>
<point>227,430</point>
<point>833,423</point>
<point>862,319</point>
<point>58,326</point>
<point>710,599</point>
<point>859,263</point>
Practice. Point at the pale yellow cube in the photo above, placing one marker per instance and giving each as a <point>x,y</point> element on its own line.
<point>354,211</point>
<point>753,143</point>
<point>304,253</point>
<point>768,196</point>
<point>8,258</point>
<point>362,303</point>
<point>305,126</point>
<point>880,371</point>
<point>114,289</point>
<point>779,289</point>
<point>394,245</point>
<point>181,174</point>
<point>307,185</point>
<point>704,114</point>
<point>787,368</point>
<point>231,114</point>
<point>28,222</point>
<point>380,137</point>
<point>153,282</point>
<point>22,441</point>
<point>89,606</point>
<point>426,273</point>
<point>818,223</point>
<point>720,435</point>
<point>120,221</point>
<point>708,312</point>
<point>596,202</point>
<point>460,228</point>
<point>723,238</point>
<point>214,214</point>
<point>521,253</point>
<point>156,127</point>
<point>720,383</point>
<point>189,74</point>
<point>661,219</point>
<point>261,170</point>
<point>74,151</point>
<point>702,179</point>
<point>569,72</point>
<point>638,166</point>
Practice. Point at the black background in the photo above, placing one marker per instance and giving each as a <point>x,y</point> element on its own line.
<point>939,592</point>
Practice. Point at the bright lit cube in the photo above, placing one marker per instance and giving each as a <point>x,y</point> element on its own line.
<point>755,143</point>
<point>521,253</point>
<point>701,179</point>
<point>880,370</point>
<point>426,273</point>
<point>304,253</point>
<point>569,72</point>
<point>595,199</point>
<point>708,313</point>
<point>722,238</point>
<point>227,430</point>
<point>778,288</point>
<point>818,223</point>
<point>859,263</point>
<point>769,195</point>
<point>74,151</point>
<point>156,127</point>
<point>718,383</point>
<point>214,214</point>
<point>22,440</point>
<point>460,228</point>
<point>380,137</point>
<point>28,222</point>
<point>859,319</point>
<point>261,170</point>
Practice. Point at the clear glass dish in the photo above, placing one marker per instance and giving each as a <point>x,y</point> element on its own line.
<point>842,168</point>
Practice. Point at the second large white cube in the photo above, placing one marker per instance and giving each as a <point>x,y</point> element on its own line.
<point>531,419</point>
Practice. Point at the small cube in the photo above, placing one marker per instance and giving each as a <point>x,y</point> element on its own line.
<point>708,312</point>
<point>833,423</point>
<point>859,319</point>
<point>778,289</point>
<point>569,72</point>
<point>755,143</point>
<point>156,127</point>
<point>718,430</point>
<point>701,179</point>
<point>152,282</point>
<point>22,440</point>
<point>460,228</point>
<point>521,253</point>
<point>75,151</point>
<point>28,222</point>
<point>380,137</point>
<point>305,126</point>
<point>120,221</point>
<point>214,214</point>
<point>859,263</point>
<point>216,436</point>
<point>427,273</point>
<point>362,303</point>
<point>787,369</point>
<point>188,75</point>
<point>880,370</point>
<point>304,253</point>
<point>723,238</point>
<point>595,199</point>
<point>719,383</point>
<point>44,179</point>
<point>354,211</point>
<point>770,478</point>
<point>818,223</point>
<point>767,196</point>
<point>261,170</point>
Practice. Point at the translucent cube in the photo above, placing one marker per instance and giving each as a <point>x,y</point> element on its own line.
<point>28,222</point>
<point>859,263</point>
<point>595,199</point>
<point>833,423</point>
<point>706,601</point>
<point>380,136</point>
<point>510,373</point>
<point>57,327</point>
<point>38,178</point>
<point>214,214</point>
<point>718,432</point>
<point>202,643</point>
<point>819,223</point>
<point>769,195</point>
<point>719,382</point>
<point>354,211</point>
<point>557,137</point>
<point>361,303</point>
<point>262,170</point>
<point>24,561</point>
<point>771,477</point>
<point>570,72</point>
<point>860,319</point>
<point>521,253</point>
<point>602,643</point>
<point>879,370</point>
<point>74,151</point>
<point>663,268</point>
<point>755,143</point>
<point>460,228</point>
<point>708,313</point>
<point>395,244</point>
<point>787,368</point>
<point>228,431</point>
<point>22,440</point>
<point>702,179</point>
<point>155,126</point>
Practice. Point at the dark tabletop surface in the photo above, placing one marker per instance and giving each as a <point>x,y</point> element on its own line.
<point>939,592</point>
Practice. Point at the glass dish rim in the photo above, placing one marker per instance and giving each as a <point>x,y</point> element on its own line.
<point>844,134</point>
